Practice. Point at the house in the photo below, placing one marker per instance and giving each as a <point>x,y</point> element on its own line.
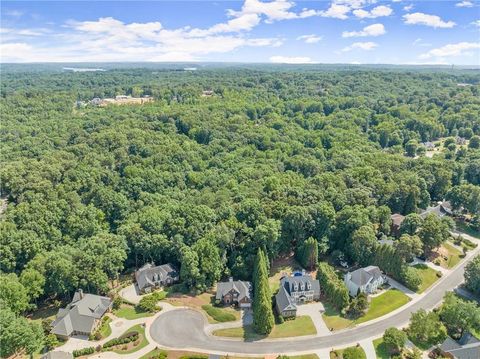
<point>441,209</point>
<point>429,146</point>
<point>207,93</point>
<point>237,292</point>
<point>82,316</point>
<point>57,355</point>
<point>295,290</point>
<point>150,277</point>
<point>397,220</point>
<point>468,347</point>
<point>364,280</point>
<point>461,140</point>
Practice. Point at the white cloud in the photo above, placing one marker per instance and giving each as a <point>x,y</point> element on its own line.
<point>310,39</point>
<point>419,18</point>
<point>361,45</point>
<point>419,42</point>
<point>291,60</point>
<point>464,3</point>
<point>408,7</point>
<point>13,13</point>
<point>476,23</point>
<point>375,12</point>
<point>371,30</point>
<point>337,11</point>
<point>458,49</point>
<point>355,4</point>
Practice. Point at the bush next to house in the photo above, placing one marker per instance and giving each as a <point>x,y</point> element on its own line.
<point>82,352</point>
<point>333,287</point>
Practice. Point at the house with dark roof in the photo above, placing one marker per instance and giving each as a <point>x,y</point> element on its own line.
<point>364,280</point>
<point>295,290</point>
<point>150,277</point>
<point>441,209</point>
<point>397,220</point>
<point>236,292</point>
<point>468,347</point>
<point>82,316</point>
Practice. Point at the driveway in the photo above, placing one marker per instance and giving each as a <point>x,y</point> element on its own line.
<point>314,311</point>
<point>130,294</point>
<point>184,328</point>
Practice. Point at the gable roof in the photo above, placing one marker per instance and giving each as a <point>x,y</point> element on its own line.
<point>80,314</point>
<point>363,276</point>
<point>284,300</point>
<point>469,350</point>
<point>290,282</point>
<point>146,274</point>
<point>440,209</point>
<point>243,289</point>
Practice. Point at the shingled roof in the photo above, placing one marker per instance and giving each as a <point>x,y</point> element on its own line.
<point>146,275</point>
<point>243,289</point>
<point>80,314</point>
<point>468,347</point>
<point>363,276</point>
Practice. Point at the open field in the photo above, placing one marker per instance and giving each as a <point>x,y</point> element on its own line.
<point>300,326</point>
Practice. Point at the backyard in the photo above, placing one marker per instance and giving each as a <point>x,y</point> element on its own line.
<point>281,266</point>
<point>299,326</point>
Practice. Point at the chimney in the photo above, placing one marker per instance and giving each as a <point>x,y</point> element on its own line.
<point>230,279</point>
<point>80,293</point>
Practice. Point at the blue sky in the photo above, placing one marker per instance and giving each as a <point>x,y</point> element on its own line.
<point>281,31</point>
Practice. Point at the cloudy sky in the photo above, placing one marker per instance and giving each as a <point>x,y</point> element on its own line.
<point>281,31</point>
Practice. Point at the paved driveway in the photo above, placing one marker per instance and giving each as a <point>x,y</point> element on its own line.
<point>130,294</point>
<point>184,328</point>
<point>314,311</point>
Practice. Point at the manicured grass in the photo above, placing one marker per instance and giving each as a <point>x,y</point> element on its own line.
<point>453,256</point>
<point>143,340</point>
<point>302,325</point>
<point>428,276</point>
<point>383,304</point>
<point>381,349</point>
<point>105,329</point>
<point>219,314</point>
<point>155,353</point>
<point>130,312</point>
<point>338,354</point>
<point>305,356</point>
<point>334,320</point>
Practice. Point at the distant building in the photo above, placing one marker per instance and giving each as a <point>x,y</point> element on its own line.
<point>189,69</point>
<point>429,146</point>
<point>296,290</point>
<point>150,277</point>
<point>364,280</point>
<point>397,220</point>
<point>234,292</point>
<point>441,209</point>
<point>460,140</point>
<point>96,101</point>
<point>82,316</point>
<point>468,347</point>
<point>207,93</point>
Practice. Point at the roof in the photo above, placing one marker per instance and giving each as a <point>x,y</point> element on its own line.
<point>146,275</point>
<point>469,350</point>
<point>363,276</point>
<point>284,300</point>
<point>305,280</point>
<point>243,289</point>
<point>397,219</point>
<point>440,209</point>
<point>57,355</point>
<point>80,314</point>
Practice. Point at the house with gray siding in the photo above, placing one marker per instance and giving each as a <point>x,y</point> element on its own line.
<point>295,290</point>
<point>364,280</point>
<point>150,277</point>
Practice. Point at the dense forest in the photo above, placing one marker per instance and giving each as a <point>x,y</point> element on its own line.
<point>274,157</point>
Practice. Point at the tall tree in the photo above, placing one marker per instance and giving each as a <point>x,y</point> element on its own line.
<point>263,318</point>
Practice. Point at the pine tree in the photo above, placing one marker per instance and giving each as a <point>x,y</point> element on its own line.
<point>307,253</point>
<point>263,319</point>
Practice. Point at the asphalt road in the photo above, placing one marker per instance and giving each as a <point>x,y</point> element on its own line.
<point>184,328</point>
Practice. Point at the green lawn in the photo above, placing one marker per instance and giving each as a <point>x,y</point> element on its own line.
<point>220,314</point>
<point>453,256</point>
<point>383,304</point>
<point>381,349</point>
<point>338,354</point>
<point>143,343</point>
<point>428,275</point>
<point>302,325</point>
<point>105,329</point>
<point>155,353</point>
<point>130,312</point>
<point>379,306</point>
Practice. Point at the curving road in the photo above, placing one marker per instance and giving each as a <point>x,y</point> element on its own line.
<point>184,328</point>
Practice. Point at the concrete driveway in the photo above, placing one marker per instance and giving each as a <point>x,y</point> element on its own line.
<point>131,294</point>
<point>314,311</point>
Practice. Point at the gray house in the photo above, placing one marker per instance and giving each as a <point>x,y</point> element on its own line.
<point>468,347</point>
<point>296,290</point>
<point>441,209</point>
<point>150,277</point>
<point>364,280</point>
<point>82,316</point>
<point>234,292</point>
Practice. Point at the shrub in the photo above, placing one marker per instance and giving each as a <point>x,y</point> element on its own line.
<point>280,319</point>
<point>439,274</point>
<point>82,352</point>
<point>117,302</point>
<point>132,336</point>
<point>149,302</point>
<point>354,353</point>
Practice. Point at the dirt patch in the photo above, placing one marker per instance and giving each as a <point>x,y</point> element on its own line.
<point>192,301</point>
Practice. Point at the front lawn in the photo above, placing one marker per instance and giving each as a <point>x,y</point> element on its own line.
<point>381,349</point>
<point>155,354</point>
<point>383,304</point>
<point>453,256</point>
<point>130,312</point>
<point>299,326</point>
<point>221,314</point>
<point>428,276</point>
<point>338,354</point>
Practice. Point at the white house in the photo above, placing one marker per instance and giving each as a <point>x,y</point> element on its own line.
<point>365,280</point>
